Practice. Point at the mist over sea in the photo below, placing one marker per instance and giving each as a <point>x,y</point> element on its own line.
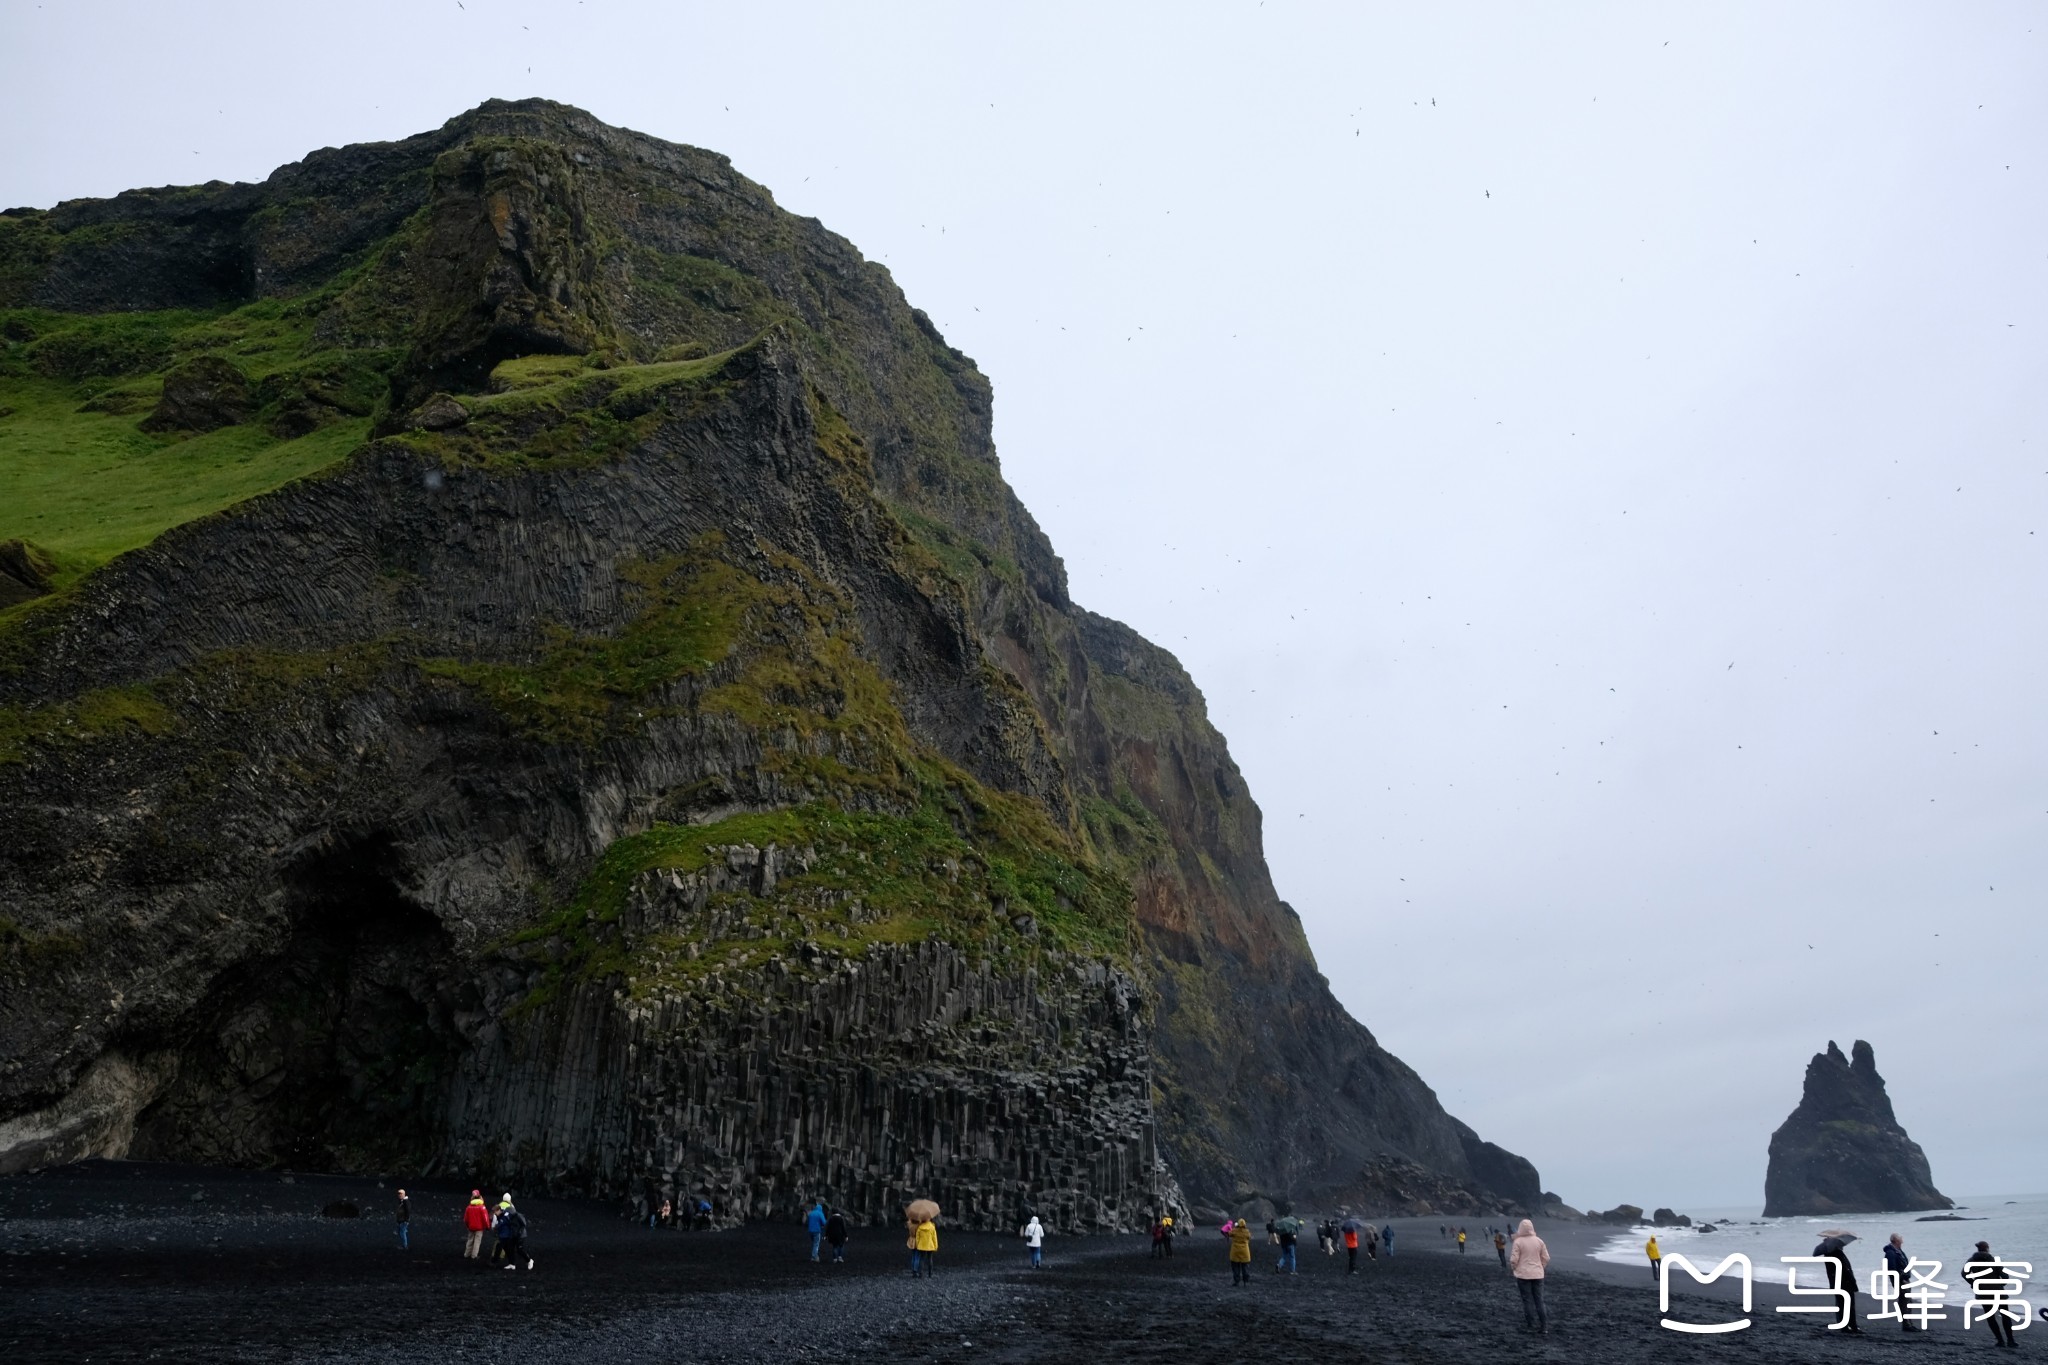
<point>2015,1225</point>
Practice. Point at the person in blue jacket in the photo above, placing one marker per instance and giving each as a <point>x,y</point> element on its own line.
<point>1387,1239</point>
<point>814,1223</point>
<point>1896,1260</point>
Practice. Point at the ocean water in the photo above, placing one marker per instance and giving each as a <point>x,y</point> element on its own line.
<point>2015,1225</point>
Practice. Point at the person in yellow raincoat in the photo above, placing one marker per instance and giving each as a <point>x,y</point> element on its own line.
<point>924,1248</point>
<point>1656,1256</point>
<point>1240,1235</point>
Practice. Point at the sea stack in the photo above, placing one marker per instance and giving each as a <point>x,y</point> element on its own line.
<point>1842,1151</point>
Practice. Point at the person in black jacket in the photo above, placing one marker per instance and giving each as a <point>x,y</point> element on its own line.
<point>1837,1253</point>
<point>1985,1266</point>
<point>404,1222</point>
<point>511,1228</point>
<point>835,1236</point>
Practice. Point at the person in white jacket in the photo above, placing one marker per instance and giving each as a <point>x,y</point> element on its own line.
<point>1526,1262</point>
<point>1034,1237</point>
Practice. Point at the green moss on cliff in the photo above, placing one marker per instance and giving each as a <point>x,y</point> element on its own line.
<point>690,609</point>
<point>90,717</point>
<point>963,865</point>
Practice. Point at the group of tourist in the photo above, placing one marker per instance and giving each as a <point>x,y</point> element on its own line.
<point>506,1224</point>
<point>1285,1233</point>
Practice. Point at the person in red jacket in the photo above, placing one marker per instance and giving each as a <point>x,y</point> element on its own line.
<point>476,1218</point>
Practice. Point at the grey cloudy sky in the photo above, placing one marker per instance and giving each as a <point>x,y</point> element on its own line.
<point>1594,462</point>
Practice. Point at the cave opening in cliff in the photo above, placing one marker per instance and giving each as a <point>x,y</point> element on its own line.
<point>333,1052</point>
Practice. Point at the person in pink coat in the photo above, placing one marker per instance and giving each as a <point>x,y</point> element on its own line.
<point>1526,1261</point>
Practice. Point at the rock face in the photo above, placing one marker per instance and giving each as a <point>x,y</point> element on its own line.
<point>1842,1151</point>
<point>203,394</point>
<point>664,757</point>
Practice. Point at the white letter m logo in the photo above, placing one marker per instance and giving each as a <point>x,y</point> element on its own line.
<point>1664,1292</point>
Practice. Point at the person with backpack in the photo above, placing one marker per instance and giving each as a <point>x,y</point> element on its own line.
<point>1500,1247</point>
<point>1033,1234</point>
<point>835,1236</point>
<point>1351,1248</point>
<point>511,1226</point>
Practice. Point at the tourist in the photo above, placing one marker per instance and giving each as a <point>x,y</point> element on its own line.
<point>1896,1260</point>
<point>511,1226</point>
<point>1834,1249</point>
<point>1461,1241</point>
<point>1656,1256</point>
<point>1166,1235</point>
<point>1289,1232</point>
<point>475,1218</point>
<point>1351,1248</point>
<point>1526,1262</point>
<point>814,1223</point>
<point>1240,1235</point>
<point>1500,1246</point>
<point>404,1222</point>
<point>924,1248</point>
<point>666,1218</point>
<point>835,1236</point>
<point>1325,1237</point>
<point>1372,1244</point>
<point>497,1233</point>
<point>1034,1237</point>
<point>1158,1239</point>
<point>1387,1239</point>
<point>1986,1277</point>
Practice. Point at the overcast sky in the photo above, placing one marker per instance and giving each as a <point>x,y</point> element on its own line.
<point>1594,464</point>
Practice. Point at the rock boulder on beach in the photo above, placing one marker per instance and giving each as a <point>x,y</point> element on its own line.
<point>1842,1150</point>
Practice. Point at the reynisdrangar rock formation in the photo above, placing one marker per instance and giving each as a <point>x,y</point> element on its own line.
<point>637,741</point>
<point>1842,1150</point>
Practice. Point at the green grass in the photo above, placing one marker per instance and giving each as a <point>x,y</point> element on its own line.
<point>81,480</point>
<point>87,486</point>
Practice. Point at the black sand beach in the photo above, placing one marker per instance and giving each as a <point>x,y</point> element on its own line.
<point>126,1262</point>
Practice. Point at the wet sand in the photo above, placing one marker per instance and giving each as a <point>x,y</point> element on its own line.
<point>119,1262</point>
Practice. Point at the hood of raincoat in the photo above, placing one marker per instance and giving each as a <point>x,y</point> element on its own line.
<point>1525,1229</point>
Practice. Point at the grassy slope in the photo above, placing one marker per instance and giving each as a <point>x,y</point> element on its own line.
<point>82,480</point>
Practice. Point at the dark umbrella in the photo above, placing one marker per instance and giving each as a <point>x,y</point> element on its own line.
<point>1351,1225</point>
<point>1289,1224</point>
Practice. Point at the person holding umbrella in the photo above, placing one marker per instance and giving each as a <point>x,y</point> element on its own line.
<point>1833,1247</point>
<point>921,1222</point>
